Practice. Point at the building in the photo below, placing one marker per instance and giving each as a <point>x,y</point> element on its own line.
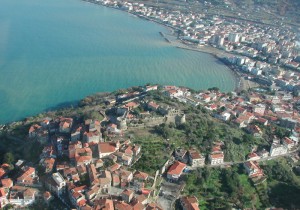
<point>105,180</point>
<point>253,156</point>
<point>76,134</point>
<point>127,195</point>
<point>65,125</point>
<point>3,198</point>
<point>259,108</point>
<point>189,203</point>
<point>27,177</point>
<point>233,37</point>
<point>21,196</point>
<point>173,93</point>
<point>104,203</point>
<point>253,169</point>
<point>225,116</point>
<point>153,106</point>
<point>56,184</point>
<point>92,136</point>
<point>92,125</point>
<point>121,205</point>
<point>149,88</point>
<point>175,171</point>
<point>216,158</point>
<point>33,130</point>
<point>92,174</point>
<point>255,131</point>
<point>48,164</point>
<point>107,148</point>
<point>77,197</point>
<point>153,206</point>
<point>6,183</point>
<point>83,156</point>
<point>288,143</point>
<point>277,149</point>
<point>47,197</point>
<point>181,155</point>
<point>196,159</point>
<point>141,176</point>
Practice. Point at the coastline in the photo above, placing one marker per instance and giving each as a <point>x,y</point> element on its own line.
<point>170,31</point>
<point>172,40</point>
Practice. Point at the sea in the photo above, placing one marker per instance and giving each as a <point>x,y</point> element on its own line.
<point>56,52</point>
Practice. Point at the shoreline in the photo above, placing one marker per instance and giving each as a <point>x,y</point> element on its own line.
<point>170,32</point>
<point>218,54</point>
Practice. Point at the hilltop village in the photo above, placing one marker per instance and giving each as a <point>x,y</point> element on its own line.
<point>101,161</point>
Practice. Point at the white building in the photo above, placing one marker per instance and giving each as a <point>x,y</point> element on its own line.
<point>233,37</point>
<point>259,108</point>
<point>225,116</point>
<point>21,196</point>
<point>288,143</point>
<point>56,184</point>
<point>277,149</point>
<point>196,159</point>
<point>216,159</point>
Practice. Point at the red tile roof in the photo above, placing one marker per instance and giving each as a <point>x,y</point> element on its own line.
<point>121,205</point>
<point>104,204</point>
<point>6,183</point>
<point>190,203</point>
<point>2,192</point>
<point>153,206</point>
<point>141,175</point>
<point>127,192</point>
<point>107,147</point>
<point>177,168</point>
<point>217,156</point>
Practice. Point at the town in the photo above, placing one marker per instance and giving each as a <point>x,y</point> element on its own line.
<point>262,53</point>
<point>94,163</point>
<point>168,147</point>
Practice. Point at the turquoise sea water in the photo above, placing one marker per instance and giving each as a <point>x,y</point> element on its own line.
<point>56,51</point>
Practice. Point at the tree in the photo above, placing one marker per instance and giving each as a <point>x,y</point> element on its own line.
<point>8,158</point>
<point>163,130</point>
<point>281,132</point>
<point>214,89</point>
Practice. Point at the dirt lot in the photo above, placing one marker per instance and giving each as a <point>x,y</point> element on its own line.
<point>168,194</point>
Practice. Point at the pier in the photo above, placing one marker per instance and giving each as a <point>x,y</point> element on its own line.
<point>163,35</point>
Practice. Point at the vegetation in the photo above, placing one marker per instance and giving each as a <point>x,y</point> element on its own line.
<point>13,148</point>
<point>215,188</point>
<point>93,115</point>
<point>8,158</point>
<point>154,154</point>
<point>231,188</point>
<point>202,131</point>
<point>283,184</point>
<point>222,189</point>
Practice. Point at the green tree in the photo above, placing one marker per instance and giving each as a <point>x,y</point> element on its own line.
<point>9,158</point>
<point>281,132</point>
